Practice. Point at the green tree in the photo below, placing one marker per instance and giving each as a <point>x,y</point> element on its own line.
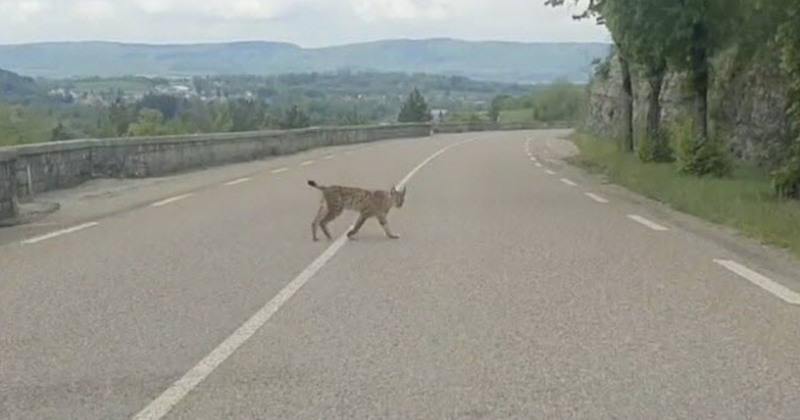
<point>149,123</point>
<point>168,105</point>
<point>414,109</point>
<point>120,116</point>
<point>786,180</point>
<point>594,9</point>
<point>498,103</point>
<point>294,117</point>
<point>697,31</point>
<point>642,35</point>
<point>560,101</point>
<point>59,132</point>
<point>247,114</point>
<point>223,122</point>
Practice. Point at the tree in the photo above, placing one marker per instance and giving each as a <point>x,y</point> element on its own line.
<point>246,115</point>
<point>786,180</point>
<point>168,105</point>
<point>59,132</point>
<point>414,109</point>
<point>642,35</point>
<point>497,105</point>
<point>150,123</point>
<point>594,9</point>
<point>698,30</point>
<point>120,116</point>
<point>294,117</point>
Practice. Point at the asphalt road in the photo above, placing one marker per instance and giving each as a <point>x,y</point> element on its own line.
<point>512,293</point>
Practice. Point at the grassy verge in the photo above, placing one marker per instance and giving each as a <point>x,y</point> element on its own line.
<point>516,115</point>
<point>744,201</point>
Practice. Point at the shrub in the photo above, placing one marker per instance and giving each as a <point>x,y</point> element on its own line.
<point>698,158</point>
<point>786,180</point>
<point>653,151</point>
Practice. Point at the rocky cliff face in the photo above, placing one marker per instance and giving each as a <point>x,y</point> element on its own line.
<point>746,103</point>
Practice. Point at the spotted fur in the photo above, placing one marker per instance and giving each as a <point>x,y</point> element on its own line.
<point>369,203</point>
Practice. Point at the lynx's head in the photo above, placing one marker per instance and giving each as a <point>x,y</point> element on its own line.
<point>398,197</point>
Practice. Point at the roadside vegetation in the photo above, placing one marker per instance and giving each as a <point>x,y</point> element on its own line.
<point>37,110</point>
<point>687,163</point>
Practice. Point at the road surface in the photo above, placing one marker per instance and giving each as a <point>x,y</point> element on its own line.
<point>518,289</point>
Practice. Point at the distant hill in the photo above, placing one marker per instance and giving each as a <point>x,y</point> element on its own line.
<point>14,86</point>
<point>485,60</point>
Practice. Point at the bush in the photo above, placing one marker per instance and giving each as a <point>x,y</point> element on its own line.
<point>653,151</point>
<point>786,180</point>
<point>696,158</point>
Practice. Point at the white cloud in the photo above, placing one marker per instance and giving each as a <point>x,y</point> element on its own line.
<point>156,6</point>
<point>406,10</point>
<point>220,9</point>
<point>305,22</point>
<point>93,10</point>
<point>22,11</point>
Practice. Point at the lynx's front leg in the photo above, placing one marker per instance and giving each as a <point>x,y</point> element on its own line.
<point>357,225</point>
<point>385,225</point>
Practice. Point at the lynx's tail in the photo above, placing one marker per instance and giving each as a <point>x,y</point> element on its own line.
<point>314,184</point>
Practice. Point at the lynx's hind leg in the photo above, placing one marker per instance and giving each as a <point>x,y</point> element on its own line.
<point>320,214</point>
<point>331,213</point>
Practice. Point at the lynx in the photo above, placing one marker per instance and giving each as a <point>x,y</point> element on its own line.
<point>369,203</point>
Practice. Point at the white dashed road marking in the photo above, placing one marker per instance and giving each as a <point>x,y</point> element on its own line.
<point>59,233</point>
<point>549,172</point>
<point>170,200</point>
<point>238,181</point>
<point>765,283</point>
<point>306,163</point>
<point>538,165</point>
<point>328,157</point>
<point>568,182</point>
<point>648,223</point>
<point>279,170</point>
<point>596,197</point>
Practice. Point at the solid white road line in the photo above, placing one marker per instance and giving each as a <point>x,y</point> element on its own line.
<point>596,197</point>
<point>306,163</point>
<point>238,181</point>
<point>159,407</point>
<point>648,223</point>
<point>568,182</point>
<point>776,289</point>
<point>59,233</point>
<point>279,170</point>
<point>170,200</point>
<point>549,172</point>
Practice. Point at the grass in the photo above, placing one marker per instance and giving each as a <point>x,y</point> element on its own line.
<point>516,115</point>
<point>744,201</point>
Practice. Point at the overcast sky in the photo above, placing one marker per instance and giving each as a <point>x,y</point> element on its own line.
<point>309,23</point>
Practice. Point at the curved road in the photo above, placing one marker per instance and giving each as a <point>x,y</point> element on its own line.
<point>516,291</point>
